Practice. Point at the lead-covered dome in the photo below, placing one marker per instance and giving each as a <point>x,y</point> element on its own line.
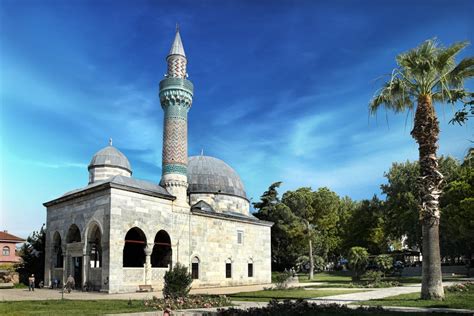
<point>211,175</point>
<point>108,162</point>
<point>110,157</point>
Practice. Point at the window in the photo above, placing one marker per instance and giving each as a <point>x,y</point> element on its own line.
<point>162,252</point>
<point>250,269</point>
<point>6,251</point>
<point>228,269</point>
<point>195,268</point>
<point>240,237</point>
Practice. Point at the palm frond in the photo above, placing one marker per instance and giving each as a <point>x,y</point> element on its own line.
<point>464,70</point>
<point>395,95</point>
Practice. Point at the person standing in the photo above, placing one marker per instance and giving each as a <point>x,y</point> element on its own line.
<point>31,281</point>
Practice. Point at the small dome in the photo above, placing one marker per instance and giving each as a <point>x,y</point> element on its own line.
<point>211,175</point>
<point>110,157</point>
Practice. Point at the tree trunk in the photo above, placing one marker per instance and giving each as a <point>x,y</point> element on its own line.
<point>425,132</point>
<point>311,262</point>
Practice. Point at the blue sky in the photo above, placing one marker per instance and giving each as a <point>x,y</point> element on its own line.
<point>281,90</point>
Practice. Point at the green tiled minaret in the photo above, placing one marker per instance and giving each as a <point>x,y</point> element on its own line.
<point>176,96</point>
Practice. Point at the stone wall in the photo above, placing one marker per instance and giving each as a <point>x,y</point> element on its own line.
<point>84,212</point>
<point>221,202</point>
<point>103,173</point>
<point>115,211</point>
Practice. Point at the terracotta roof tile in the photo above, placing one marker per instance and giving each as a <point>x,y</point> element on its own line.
<point>4,236</point>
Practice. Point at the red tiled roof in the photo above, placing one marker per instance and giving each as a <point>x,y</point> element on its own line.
<point>4,236</point>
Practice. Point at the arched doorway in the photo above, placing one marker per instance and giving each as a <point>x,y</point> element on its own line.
<point>133,250</point>
<point>74,255</point>
<point>94,251</point>
<point>57,251</point>
<point>161,255</point>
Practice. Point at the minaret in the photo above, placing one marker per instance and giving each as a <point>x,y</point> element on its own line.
<point>176,96</point>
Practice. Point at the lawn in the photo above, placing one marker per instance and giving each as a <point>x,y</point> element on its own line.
<point>294,293</point>
<point>70,307</point>
<point>329,277</point>
<point>462,300</point>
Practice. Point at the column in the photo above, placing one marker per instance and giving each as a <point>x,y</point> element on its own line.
<point>148,251</point>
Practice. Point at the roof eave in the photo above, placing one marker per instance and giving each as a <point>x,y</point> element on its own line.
<point>105,186</point>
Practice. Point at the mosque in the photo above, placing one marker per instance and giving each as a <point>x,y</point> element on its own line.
<point>121,234</point>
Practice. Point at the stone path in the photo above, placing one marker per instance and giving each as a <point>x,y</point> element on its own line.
<point>47,294</point>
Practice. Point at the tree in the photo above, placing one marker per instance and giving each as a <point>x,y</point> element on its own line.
<point>177,282</point>
<point>326,204</point>
<point>358,259</point>
<point>32,255</point>
<point>457,204</point>
<point>285,249</point>
<point>402,196</point>
<point>425,75</point>
<point>300,203</point>
<point>366,227</point>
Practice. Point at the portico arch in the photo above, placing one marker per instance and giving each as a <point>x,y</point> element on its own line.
<point>161,255</point>
<point>133,250</point>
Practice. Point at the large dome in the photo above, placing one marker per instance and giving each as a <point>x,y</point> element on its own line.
<point>110,157</point>
<point>211,175</point>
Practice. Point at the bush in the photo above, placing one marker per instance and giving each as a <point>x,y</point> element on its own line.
<point>461,287</point>
<point>281,280</point>
<point>358,259</point>
<point>384,263</point>
<point>192,301</point>
<point>177,282</point>
<point>373,276</point>
<point>301,307</point>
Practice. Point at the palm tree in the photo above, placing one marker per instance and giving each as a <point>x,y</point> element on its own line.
<point>427,74</point>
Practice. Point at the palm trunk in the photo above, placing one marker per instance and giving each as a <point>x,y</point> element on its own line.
<point>425,132</point>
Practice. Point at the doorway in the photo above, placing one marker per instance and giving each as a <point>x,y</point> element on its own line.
<point>77,261</point>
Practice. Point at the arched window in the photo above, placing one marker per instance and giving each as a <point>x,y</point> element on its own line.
<point>73,234</point>
<point>250,268</point>
<point>94,241</point>
<point>228,268</point>
<point>195,268</point>
<point>58,250</point>
<point>161,255</point>
<point>133,250</point>
<point>6,251</point>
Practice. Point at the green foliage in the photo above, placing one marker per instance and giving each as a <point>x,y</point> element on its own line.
<point>32,253</point>
<point>358,259</point>
<point>373,276</point>
<point>366,227</point>
<point>177,282</point>
<point>285,247</point>
<point>427,70</point>
<point>401,206</point>
<point>384,263</point>
<point>457,205</point>
<point>301,307</point>
<point>461,287</point>
<point>192,301</point>
<point>281,280</point>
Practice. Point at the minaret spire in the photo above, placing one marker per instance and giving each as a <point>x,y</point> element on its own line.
<point>177,58</point>
<point>176,97</point>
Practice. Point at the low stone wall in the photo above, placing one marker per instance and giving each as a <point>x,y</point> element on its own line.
<point>9,277</point>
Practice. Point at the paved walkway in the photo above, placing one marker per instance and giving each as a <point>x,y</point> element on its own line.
<point>369,295</point>
<point>48,294</point>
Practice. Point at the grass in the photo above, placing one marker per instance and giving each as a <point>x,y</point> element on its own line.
<point>292,294</point>
<point>462,300</point>
<point>338,279</point>
<point>70,307</point>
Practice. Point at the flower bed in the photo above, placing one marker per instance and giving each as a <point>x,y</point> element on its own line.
<point>192,301</point>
